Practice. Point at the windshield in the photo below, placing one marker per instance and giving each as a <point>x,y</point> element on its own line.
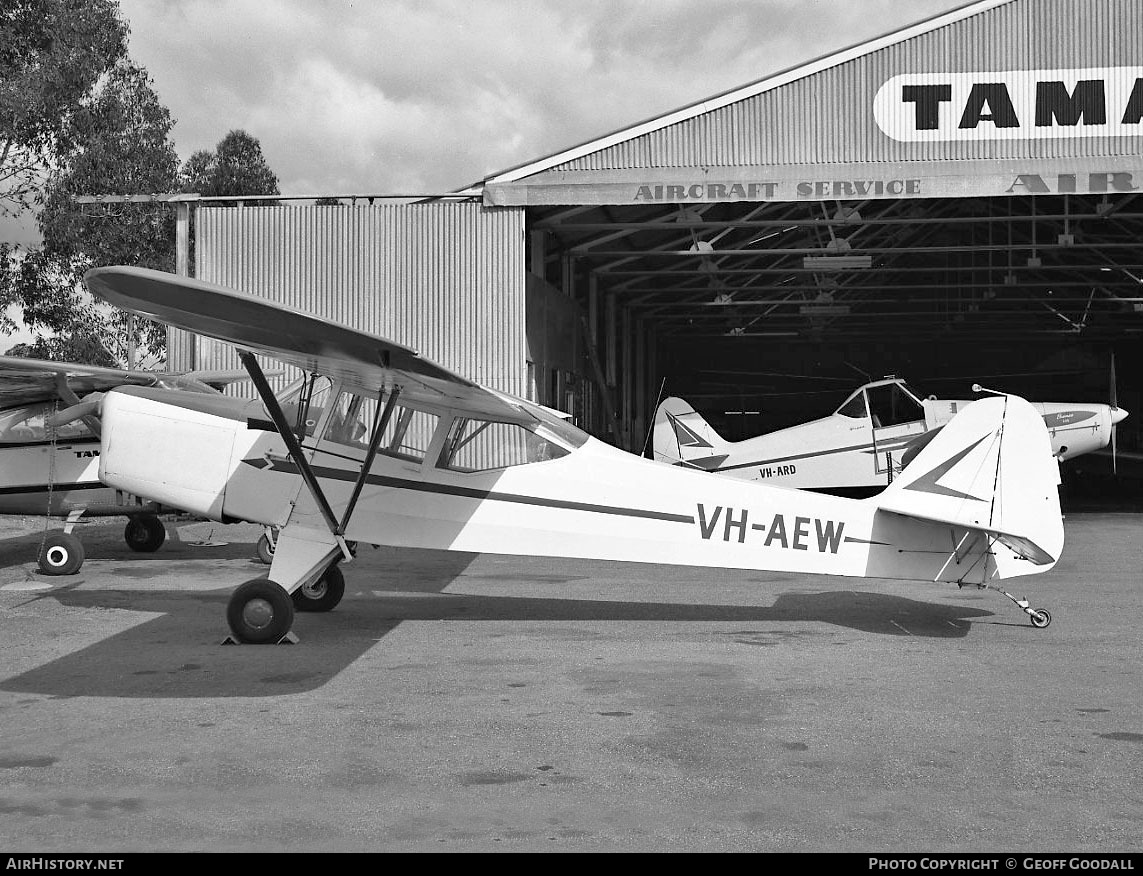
<point>891,405</point>
<point>557,425</point>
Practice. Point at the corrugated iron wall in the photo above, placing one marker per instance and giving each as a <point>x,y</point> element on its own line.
<point>825,118</point>
<point>444,278</point>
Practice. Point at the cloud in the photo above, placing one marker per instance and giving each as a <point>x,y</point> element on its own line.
<point>434,94</point>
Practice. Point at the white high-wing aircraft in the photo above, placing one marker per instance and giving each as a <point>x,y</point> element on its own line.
<point>49,450</point>
<point>404,452</point>
<point>862,446</point>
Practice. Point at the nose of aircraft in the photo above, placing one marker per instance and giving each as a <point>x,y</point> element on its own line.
<point>1118,415</point>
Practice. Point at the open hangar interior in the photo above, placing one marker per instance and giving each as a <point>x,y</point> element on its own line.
<point>746,315</point>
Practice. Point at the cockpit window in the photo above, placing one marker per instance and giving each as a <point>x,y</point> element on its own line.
<point>350,420</point>
<point>890,405</point>
<point>305,398</point>
<point>478,445</point>
<point>23,425</point>
<point>407,434</point>
<point>854,408</point>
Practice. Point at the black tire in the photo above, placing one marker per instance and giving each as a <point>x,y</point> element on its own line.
<point>265,549</point>
<point>260,612</point>
<point>1041,618</point>
<point>62,554</point>
<point>324,594</point>
<point>144,533</point>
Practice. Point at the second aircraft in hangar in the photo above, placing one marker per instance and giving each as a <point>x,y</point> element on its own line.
<point>861,446</point>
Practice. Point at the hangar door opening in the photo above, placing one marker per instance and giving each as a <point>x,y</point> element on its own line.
<point>768,314</point>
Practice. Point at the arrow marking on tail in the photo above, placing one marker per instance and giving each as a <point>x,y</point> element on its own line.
<point>686,436</point>
<point>927,483</point>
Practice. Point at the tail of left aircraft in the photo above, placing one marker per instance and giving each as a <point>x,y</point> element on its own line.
<point>683,437</point>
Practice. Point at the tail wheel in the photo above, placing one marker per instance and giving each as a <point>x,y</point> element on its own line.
<point>324,594</point>
<point>62,554</point>
<point>260,612</point>
<point>144,533</point>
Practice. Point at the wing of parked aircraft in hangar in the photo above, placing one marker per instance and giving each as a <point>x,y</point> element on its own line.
<point>49,450</point>
<point>387,447</point>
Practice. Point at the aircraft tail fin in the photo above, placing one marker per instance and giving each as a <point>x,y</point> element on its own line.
<point>683,437</point>
<point>990,470</point>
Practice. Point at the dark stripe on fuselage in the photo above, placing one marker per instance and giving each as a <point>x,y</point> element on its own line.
<point>35,489</point>
<point>471,493</point>
<point>59,445</point>
<point>888,444</point>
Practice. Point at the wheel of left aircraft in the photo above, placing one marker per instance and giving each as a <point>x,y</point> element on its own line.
<point>324,594</point>
<point>62,554</point>
<point>144,533</point>
<point>260,612</point>
<point>1040,618</point>
<point>265,549</point>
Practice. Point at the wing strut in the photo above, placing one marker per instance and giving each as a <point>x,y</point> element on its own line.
<point>292,443</point>
<point>380,422</point>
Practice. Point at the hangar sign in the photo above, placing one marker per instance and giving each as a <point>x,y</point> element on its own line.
<point>1012,105</point>
<point>898,180</point>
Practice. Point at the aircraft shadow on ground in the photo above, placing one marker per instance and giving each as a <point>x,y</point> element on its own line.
<point>180,653</point>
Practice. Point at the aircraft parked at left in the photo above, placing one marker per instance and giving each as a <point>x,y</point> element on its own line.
<point>49,450</point>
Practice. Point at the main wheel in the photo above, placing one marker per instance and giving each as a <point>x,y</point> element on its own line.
<point>62,554</point>
<point>324,594</point>
<point>265,549</point>
<point>260,612</point>
<point>144,533</point>
<point>1040,618</point>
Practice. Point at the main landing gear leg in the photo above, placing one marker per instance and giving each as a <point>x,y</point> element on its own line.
<point>303,577</point>
<point>1040,617</point>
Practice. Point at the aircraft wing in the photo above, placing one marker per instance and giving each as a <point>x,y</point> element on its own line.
<point>362,360</point>
<point>27,381</point>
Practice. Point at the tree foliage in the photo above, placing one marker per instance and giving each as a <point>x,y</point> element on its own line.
<point>84,349</point>
<point>52,52</point>
<point>235,167</point>
<point>78,117</point>
<point>121,132</point>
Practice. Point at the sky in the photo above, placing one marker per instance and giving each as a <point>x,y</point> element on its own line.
<point>428,96</point>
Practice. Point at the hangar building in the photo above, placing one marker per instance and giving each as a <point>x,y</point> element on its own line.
<point>957,201</point>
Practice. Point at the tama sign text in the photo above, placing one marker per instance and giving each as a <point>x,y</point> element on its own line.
<point>1012,105</point>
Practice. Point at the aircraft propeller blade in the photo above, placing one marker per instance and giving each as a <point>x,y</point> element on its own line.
<point>1114,422</point>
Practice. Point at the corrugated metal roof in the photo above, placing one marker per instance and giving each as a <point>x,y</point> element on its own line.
<point>821,113</point>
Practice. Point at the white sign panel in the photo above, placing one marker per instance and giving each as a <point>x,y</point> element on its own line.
<point>1012,105</point>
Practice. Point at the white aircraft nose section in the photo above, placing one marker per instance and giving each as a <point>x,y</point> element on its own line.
<point>1118,415</point>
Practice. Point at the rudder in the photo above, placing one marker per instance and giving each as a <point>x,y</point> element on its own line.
<point>683,437</point>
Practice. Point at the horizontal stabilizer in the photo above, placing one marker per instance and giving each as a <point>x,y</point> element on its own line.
<point>991,469</point>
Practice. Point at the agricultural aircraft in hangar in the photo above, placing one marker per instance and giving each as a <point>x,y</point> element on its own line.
<point>863,445</point>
